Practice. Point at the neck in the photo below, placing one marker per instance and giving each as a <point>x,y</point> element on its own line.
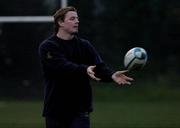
<point>64,35</point>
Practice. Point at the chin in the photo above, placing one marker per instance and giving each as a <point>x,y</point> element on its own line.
<point>75,32</point>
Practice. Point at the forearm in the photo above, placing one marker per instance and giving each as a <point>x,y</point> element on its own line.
<point>104,73</point>
<point>66,68</point>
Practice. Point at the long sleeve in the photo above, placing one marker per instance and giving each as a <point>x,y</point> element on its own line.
<point>54,61</point>
<point>102,70</point>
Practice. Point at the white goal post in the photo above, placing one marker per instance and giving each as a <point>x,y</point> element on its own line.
<point>25,19</point>
<point>30,19</point>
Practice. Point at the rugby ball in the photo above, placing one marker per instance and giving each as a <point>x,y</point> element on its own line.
<point>135,58</point>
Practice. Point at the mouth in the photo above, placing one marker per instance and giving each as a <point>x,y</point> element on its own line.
<point>76,26</point>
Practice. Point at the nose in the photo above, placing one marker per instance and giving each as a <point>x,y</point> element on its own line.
<point>77,20</point>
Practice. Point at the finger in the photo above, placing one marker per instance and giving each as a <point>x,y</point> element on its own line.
<point>95,78</point>
<point>124,71</point>
<point>91,72</point>
<point>91,69</point>
<point>121,82</point>
<point>98,79</point>
<point>93,66</point>
<point>128,78</point>
<point>127,82</point>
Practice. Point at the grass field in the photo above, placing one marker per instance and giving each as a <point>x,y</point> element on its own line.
<point>27,114</point>
<point>114,107</point>
<point>136,115</point>
<point>20,114</point>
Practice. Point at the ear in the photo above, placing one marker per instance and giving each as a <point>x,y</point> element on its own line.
<point>61,23</point>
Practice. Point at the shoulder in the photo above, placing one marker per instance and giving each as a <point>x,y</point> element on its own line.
<point>50,41</point>
<point>83,41</point>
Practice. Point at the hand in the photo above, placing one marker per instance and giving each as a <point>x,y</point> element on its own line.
<point>120,78</point>
<point>91,73</point>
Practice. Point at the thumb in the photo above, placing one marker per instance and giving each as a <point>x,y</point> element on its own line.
<point>123,71</point>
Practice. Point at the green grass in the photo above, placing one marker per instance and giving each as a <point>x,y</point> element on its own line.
<point>20,114</point>
<point>136,106</point>
<point>136,115</point>
<point>27,114</point>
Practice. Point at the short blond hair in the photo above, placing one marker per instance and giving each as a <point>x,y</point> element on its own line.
<point>60,15</point>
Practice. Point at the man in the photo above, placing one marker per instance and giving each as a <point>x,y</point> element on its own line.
<point>68,63</point>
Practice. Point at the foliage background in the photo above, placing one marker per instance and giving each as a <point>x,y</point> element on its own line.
<point>113,27</point>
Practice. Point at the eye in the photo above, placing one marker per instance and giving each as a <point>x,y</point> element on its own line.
<point>74,18</point>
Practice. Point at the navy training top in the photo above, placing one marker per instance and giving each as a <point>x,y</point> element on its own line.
<point>64,64</point>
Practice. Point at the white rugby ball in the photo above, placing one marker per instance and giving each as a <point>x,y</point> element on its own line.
<point>135,58</point>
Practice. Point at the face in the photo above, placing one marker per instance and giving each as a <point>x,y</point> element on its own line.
<point>71,23</point>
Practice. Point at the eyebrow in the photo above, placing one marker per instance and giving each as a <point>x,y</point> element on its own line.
<point>74,17</point>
